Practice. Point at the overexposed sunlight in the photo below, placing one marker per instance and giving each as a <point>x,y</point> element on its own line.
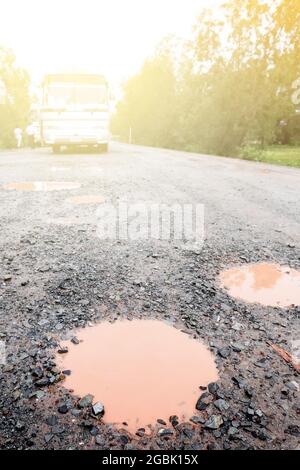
<point>108,36</point>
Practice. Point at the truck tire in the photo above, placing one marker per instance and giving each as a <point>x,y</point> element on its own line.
<point>103,148</point>
<point>56,148</point>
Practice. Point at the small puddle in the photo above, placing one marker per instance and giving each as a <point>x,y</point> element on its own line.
<point>141,370</point>
<point>86,200</point>
<point>268,284</point>
<point>42,186</point>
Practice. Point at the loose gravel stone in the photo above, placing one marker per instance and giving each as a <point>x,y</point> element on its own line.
<point>293,385</point>
<point>98,408</point>
<point>63,409</point>
<point>203,402</point>
<point>214,422</point>
<point>86,401</point>
<point>63,350</point>
<point>165,432</point>
<point>222,405</point>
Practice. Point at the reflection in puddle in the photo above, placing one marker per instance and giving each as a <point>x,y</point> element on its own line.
<point>42,186</point>
<point>141,370</point>
<point>267,284</point>
<point>86,200</point>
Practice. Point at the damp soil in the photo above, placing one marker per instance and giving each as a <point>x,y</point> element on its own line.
<point>141,370</point>
<point>266,284</point>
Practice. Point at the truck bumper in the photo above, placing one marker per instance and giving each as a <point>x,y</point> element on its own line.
<point>76,141</point>
<point>102,138</point>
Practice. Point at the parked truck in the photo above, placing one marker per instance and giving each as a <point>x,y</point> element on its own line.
<point>75,111</point>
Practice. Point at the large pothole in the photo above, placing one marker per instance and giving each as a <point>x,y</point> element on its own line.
<point>267,284</point>
<point>141,370</point>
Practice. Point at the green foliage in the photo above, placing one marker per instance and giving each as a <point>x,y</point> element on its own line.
<point>251,152</point>
<point>275,154</point>
<point>230,86</point>
<point>14,108</point>
<point>149,104</point>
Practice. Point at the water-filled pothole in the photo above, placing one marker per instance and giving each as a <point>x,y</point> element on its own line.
<point>86,200</point>
<point>42,186</point>
<point>267,284</point>
<point>141,370</point>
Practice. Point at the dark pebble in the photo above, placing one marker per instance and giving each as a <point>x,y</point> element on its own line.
<point>62,350</point>
<point>213,387</point>
<point>224,352</point>
<point>63,409</point>
<point>51,420</point>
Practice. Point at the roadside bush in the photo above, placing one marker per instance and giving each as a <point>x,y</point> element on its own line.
<point>15,102</point>
<point>251,152</point>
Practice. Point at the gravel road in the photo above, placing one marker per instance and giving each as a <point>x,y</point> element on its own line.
<point>56,275</point>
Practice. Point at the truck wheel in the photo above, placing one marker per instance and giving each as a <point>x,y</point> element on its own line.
<point>103,148</point>
<point>56,148</point>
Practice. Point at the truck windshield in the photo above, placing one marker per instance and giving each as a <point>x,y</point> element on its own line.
<point>58,95</point>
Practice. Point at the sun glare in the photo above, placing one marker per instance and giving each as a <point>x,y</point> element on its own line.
<point>108,36</point>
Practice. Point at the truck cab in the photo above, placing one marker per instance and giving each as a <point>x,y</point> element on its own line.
<point>75,111</point>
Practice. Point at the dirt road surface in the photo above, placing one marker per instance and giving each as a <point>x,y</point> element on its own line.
<point>56,275</point>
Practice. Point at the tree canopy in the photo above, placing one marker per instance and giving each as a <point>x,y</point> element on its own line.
<point>230,85</point>
<point>15,100</point>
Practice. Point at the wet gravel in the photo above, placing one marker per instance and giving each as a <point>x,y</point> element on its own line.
<point>57,277</point>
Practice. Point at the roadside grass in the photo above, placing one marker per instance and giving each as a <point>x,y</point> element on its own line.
<point>287,155</point>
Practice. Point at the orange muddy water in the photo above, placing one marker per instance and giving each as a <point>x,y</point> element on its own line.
<point>42,186</point>
<point>267,284</point>
<point>141,370</point>
<point>86,200</point>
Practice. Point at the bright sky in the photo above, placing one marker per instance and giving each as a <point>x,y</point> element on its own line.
<point>108,36</point>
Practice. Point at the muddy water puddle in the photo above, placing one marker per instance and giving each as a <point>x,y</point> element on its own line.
<point>93,199</point>
<point>141,370</point>
<point>268,284</point>
<point>42,186</point>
